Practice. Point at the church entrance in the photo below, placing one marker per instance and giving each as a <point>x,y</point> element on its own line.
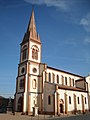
<point>61,108</point>
<point>20,104</point>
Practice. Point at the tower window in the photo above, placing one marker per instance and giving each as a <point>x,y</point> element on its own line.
<point>23,70</point>
<point>21,84</point>
<point>34,70</point>
<point>34,84</point>
<point>24,52</point>
<point>35,52</point>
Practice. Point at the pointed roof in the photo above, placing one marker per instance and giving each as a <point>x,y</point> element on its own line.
<point>31,30</point>
<point>32,25</point>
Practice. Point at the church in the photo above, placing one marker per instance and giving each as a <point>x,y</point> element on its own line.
<point>52,90</point>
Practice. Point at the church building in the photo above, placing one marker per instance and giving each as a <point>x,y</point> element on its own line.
<point>52,90</point>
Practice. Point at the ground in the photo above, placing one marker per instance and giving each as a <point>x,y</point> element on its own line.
<point>44,117</point>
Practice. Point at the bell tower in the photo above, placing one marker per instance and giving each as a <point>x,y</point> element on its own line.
<point>31,45</point>
<point>28,69</point>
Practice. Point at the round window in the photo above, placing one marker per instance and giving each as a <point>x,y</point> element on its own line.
<point>34,70</point>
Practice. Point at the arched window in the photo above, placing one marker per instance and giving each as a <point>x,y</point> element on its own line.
<point>45,76</point>
<point>24,53</point>
<point>65,80</point>
<point>70,81</point>
<point>35,52</point>
<point>21,85</point>
<point>73,82</point>
<point>53,77</point>
<point>58,79</point>
<point>69,100</point>
<point>49,76</point>
<point>49,100</point>
<point>62,79</point>
<point>23,70</point>
<point>34,84</point>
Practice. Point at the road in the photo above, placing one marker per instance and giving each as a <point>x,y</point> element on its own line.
<point>25,117</point>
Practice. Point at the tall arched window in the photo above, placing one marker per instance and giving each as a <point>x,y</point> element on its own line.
<point>49,100</point>
<point>34,84</point>
<point>58,79</point>
<point>70,81</point>
<point>35,52</point>
<point>24,53</point>
<point>62,79</point>
<point>49,76</point>
<point>45,76</point>
<point>21,85</point>
<point>65,80</point>
<point>73,82</point>
<point>53,76</point>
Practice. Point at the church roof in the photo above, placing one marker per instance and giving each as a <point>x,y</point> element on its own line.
<point>64,71</point>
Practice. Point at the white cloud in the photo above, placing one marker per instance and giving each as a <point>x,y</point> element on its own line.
<point>85,22</point>
<point>60,4</point>
<point>35,1</point>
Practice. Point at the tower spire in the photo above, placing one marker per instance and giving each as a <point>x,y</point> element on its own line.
<point>31,30</point>
<point>32,26</point>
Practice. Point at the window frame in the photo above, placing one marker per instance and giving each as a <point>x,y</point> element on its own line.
<point>65,80</point>
<point>35,51</point>
<point>57,78</point>
<point>21,83</point>
<point>62,79</point>
<point>34,83</point>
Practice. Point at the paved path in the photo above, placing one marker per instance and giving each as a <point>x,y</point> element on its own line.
<point>25,117</point>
